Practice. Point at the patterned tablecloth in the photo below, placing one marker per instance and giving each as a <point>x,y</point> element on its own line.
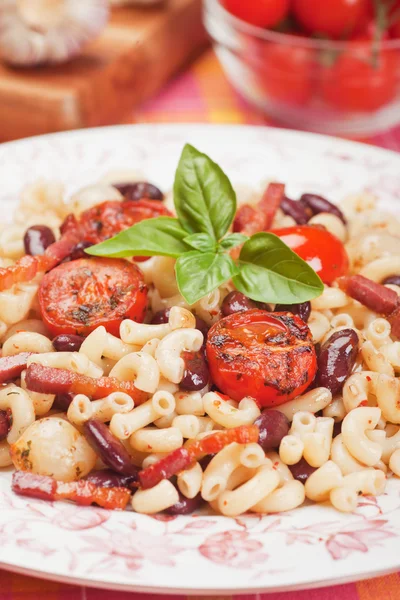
<point>202,94</point>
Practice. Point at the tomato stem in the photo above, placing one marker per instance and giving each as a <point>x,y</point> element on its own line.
<point>382,23</point>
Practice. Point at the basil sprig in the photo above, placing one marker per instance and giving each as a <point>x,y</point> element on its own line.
<point>205,203</point>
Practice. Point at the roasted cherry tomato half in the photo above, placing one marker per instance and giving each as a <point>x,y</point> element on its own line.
<point>270,357</point>
<point>323,251</point>
<point>78,296</point>
<point>263,13</point>
<point>105,220</point>
<point>332,18</point>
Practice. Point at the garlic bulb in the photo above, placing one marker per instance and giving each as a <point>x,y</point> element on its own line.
<point>34,32</point>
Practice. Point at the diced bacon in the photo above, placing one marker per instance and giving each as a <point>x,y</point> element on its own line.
<point>85,493</point>
<point>246,434</point>
<point>34,486</point>
<point>373,295</point>
<point>82,492</point>
<point>182,458</point>
<point>49,380</point>
<point>12,366</point>
<point>26,269</point>
<point>394,320</point>
<point>178,460</point>
<point>250,220</point>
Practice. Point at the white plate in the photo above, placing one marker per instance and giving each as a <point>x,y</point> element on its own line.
<point>201,555</point>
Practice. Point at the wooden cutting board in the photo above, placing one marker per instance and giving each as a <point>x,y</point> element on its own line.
<point>137,53</point>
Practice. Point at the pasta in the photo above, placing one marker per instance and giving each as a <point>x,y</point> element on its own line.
<point>172,385</point>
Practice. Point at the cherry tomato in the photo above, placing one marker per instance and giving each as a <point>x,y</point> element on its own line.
<point>394,20</point>
<point>394,30</point>
<point>109,218</point>
<point>359,80</point>
<point>287,73</point>
<point>270,357</point>
<point>333,18</point>
<point>263,13</point>
<point>323,251</point>
<point>78,296</point>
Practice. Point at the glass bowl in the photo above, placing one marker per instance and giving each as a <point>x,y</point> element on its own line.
<point>334,87</point>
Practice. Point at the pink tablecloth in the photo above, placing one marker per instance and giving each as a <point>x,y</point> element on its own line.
<point>202,94</point>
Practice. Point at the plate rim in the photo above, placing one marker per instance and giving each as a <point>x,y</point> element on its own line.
<point>239,129</point>
<point>201,126</point>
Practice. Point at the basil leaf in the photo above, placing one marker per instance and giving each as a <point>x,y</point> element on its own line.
<point>199,273</point>
<point>272,272</point>
<point>233,240</point>
<point>162,236</point>
<point>205,200</point>
<point>201,241</point>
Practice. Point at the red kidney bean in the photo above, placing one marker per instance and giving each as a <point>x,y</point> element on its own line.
<point>108,478</point>
<point>203,327</point>
<point>67,342</point>
<point>337,429</point>
<point>62,401</point>
<point>5,423</point>
<point>273,426</point>
<point>139,190</point>
<point>78,251</point>
<point>110,449</point>
<point>236,302</point>
<point>185,506</point>
<point>303,310</point>
<point>295,209</point>
<point>37,238</point>
<point>318,204</point>
<point>336,360</point>
<point>301,471</point>
<point>204,462</point>
<point>392,280</point>
<point>161,316</point>
<point>196,375</point>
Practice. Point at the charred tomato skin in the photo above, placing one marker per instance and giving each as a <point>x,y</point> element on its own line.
<point>105,220</point>
<point>268,356</point>
<point>78,296</point>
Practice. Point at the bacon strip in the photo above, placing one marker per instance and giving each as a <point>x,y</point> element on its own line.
<point>178,460</point>
<point>12,366</point>
<point>250,220</point>
<point>49,380</point>
<point>245,434</point>
<point>28,267</point>
<point>374,296</point>
<point>182,458</point>
<point>82,492</point>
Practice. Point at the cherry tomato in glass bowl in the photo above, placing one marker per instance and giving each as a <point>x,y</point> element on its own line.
<point>323,251</point>
<point>270,357</point>
<point>262,13</point>
<point>394,20</point>
<point>332,18</point>
<point>78,296</point>
<point>287,73</point>
<point>361,80</point>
